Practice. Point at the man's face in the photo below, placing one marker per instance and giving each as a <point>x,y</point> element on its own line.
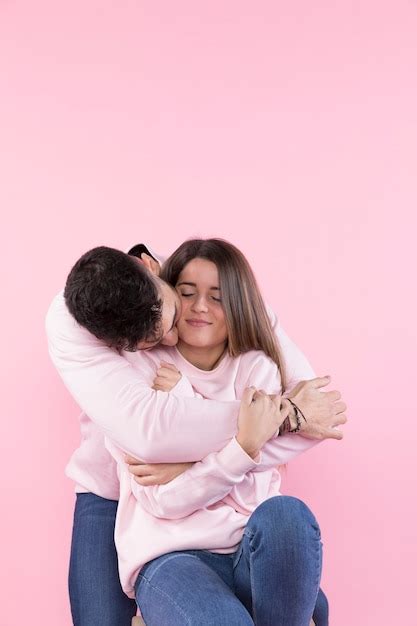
<point>171,311</point>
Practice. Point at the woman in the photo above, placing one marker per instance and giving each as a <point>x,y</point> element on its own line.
<point>216,545</point>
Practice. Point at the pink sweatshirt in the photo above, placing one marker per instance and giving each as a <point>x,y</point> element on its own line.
<point>114,395</point>
<point>207,507</point>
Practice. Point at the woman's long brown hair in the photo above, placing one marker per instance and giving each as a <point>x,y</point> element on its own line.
<point>248,324</point>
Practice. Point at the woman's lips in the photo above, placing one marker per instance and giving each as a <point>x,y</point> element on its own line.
<point>198,323</point>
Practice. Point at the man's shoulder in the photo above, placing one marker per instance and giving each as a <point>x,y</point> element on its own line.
<point>151,358</point>
<point>57,311</point>
<point>60,324</point>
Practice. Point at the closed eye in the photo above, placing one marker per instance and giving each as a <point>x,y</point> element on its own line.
<point>190,295</point>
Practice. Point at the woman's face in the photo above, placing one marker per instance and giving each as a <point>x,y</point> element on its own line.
<point>202,322</point>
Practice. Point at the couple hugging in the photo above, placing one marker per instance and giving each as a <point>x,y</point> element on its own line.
<point>192,398</point>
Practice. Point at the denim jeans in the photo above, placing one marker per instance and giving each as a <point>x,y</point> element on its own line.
<point>271,580</point>
<point>96,596</point>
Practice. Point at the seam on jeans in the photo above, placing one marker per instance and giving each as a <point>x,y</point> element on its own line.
<point>173,556</point>
<point>163,593</point>
<point>252,581</point>
<point>319,564</point>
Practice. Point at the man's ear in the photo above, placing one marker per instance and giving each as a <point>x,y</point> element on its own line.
<point>150,263</point>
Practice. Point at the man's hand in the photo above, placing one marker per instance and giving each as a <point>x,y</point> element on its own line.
<point>155,473</point>
<point>323,410</point>
<point>167,376</point>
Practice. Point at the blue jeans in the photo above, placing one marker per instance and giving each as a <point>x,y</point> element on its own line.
<point>271,580</point>
<point>96,596</point>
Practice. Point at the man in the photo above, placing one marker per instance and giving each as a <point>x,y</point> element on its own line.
<point>119,303</point>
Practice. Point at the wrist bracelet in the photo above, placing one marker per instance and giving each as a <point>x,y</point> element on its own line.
<point>286,424</point>
<point>298,411</point>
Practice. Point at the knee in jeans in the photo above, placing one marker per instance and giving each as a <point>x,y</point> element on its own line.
<point>291,512</point>
<point>228,612</point>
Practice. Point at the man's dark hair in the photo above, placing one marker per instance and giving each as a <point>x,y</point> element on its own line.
<point>115,298</point>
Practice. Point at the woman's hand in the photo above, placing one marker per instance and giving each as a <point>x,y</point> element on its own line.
<point>167,376</point>
<point>149,474</point>
<point>260,417</point>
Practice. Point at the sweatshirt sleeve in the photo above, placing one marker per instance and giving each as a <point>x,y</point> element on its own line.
<point>151,425</point>
<point>205,483</point>
<point>217,475</point>
<point>297,367</point>
<point>263,373</point>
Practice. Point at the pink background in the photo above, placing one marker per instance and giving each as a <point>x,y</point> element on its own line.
<point>289,128</point>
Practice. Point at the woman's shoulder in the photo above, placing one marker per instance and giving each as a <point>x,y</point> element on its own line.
<point>258,370</point>
<point>256,361</point>
<point>256,357</point>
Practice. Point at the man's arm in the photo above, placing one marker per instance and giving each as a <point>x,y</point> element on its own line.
<point>151,425</point>
<point>324,410</point>
<point>297,366</point>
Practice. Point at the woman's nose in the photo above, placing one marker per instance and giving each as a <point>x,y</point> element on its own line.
<point>200,305</point>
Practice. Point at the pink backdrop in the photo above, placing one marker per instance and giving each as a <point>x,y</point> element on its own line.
<point>289,128</point>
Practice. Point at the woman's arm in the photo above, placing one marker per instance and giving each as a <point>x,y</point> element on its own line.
<point>219,474</point>
<point>205,483</point>
<point>282,450</point>
<point>211,479</point>
<point>259,371</point>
